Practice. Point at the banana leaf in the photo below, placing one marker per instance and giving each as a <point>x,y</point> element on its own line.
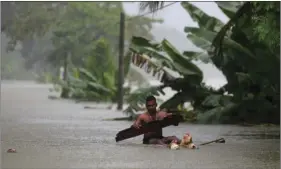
<point>140,41</point>
<point>203,19</point>
<point>160,62</point>
<point>209,36</point>
<point>212,101</point>
<point>181,62</point>
<point>229,8</point>
<point>202,56</point>
<point>199,41</point>
<point>109,81</point>
<point>87,74</point>
<point>151,52</point>
<point>98,87</point>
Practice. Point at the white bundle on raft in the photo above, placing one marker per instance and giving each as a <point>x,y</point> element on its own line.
<point>174,146</point>
<point>186,142</point>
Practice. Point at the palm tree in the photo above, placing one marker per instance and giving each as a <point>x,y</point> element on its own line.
<point>152,6</point>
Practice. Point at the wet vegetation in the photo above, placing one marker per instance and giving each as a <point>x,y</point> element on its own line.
<point>83,37</point>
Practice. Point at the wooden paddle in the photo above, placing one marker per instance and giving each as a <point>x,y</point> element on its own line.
<point>220,140</point>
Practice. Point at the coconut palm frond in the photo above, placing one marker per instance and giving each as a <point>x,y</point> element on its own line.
<point>152,6</point>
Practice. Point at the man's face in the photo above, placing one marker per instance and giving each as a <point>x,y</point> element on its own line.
<point>151,106</point>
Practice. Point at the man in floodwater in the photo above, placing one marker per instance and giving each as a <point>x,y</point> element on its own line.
<point>152,115</point>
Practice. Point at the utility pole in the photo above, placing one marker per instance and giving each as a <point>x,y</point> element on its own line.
<point>65,66</point>
<point>121,62</point>
<point>65,92</point>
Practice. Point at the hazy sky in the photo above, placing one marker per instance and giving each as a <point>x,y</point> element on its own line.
<point>176,17</point>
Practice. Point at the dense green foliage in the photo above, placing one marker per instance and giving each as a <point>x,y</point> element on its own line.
<point>253,74</point>
<point>246,50</point>
<point>96,80</point>
<point>83,22</point>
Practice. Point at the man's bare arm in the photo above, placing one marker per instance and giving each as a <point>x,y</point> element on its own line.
<point>137,123</point>
<point>163,114</point>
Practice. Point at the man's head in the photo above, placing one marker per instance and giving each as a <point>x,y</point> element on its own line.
<point>151,104</point>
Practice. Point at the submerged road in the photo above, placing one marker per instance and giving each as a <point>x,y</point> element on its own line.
<point>61,134</point>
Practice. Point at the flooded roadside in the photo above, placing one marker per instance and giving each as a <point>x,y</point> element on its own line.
<point>61,134</point>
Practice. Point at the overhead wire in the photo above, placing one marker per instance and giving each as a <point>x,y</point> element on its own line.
<point>147,13</point>
<point>150,12</point>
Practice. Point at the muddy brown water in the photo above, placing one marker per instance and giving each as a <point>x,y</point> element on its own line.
<point>62,134</point>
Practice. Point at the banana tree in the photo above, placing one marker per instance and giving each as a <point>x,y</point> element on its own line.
<point>82,84</point>
<point>249,65</point>
<point>164,59</point>
<point>212,33</point>
<point>256,80</point>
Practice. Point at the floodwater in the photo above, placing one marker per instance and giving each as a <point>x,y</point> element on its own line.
<point>61,134</point>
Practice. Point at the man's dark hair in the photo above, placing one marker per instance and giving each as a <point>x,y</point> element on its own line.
<point>150,98</point>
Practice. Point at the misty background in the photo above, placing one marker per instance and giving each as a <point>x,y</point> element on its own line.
<point>171,29</point>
